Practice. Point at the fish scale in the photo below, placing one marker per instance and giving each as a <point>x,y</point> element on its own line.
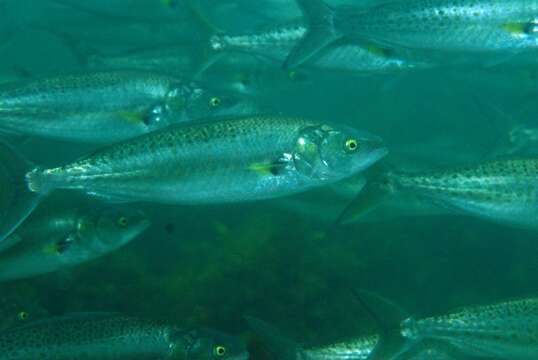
<point>228,160</point>
<point>450,25</point>
<point>503,190</point>
<point>508,329</point>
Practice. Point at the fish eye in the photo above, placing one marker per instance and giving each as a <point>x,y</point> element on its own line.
<point>215,101</point>
<point>220,350</point>
<point>123,221</point>
<point>351,145</point>
<point>23,315</point>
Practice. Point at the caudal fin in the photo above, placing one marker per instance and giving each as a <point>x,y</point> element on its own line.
<point>388,317</point>
<point>321,32</point>
<point>281,347</point>
<point>16,199</point>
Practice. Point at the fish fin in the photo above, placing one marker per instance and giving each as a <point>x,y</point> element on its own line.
<point>371,196</point>
<point>320,34</point>
<point>388,317</point>
<point>16,199</point>
<point>268,168</point>
<point>132,117</point>
<point>522,28</point>
<point>282,347</point>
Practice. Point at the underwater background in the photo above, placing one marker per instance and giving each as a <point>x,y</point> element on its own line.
<point>212,265</point>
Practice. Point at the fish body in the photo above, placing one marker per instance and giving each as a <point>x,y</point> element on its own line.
<point>102,107</point>
<point>65,239</point>
<point>355,349</point>
<point>443,25</point>
<point>503,190</point>
<point>359,348</point>
<point>504,330</point>
<point>131,10</point>
<point>110,337</point>
<point>276,44</point>
<point>446,25</point>
<point>174,60</point>
<point>229,160</point>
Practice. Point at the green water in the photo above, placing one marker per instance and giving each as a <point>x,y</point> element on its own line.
<point>212,265</point>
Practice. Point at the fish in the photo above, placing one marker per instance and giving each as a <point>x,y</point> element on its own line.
<point>503,330</point>
<point>153,11</point>
<point>502,191</point>
<point>107,107</point>
<point>218,161</point>
<point>441,25</point>
<point>358,348</point>
<point>110,336</point>
<point>277,42</point>
<point>173,60</point>
<point>63,239</point>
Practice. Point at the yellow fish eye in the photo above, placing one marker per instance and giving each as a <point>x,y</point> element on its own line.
<point>23,315</point>
<point>214,101</point>
<point>351,145</point>
<point>123,221</point>
<point>220,350</point>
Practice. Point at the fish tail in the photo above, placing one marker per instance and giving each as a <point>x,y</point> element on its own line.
<point>321,32</point>
<point>388,318</point>
<point>39,181</point>
<point>17,201</point>
<point>373,194</point>
<point>409,329</point>
<point>282,347</point>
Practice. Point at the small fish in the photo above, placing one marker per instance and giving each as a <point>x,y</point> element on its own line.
<point>506,330</point>
<point>360,348</point>
<point>151,11</point>
<point>65,239</point>
<point>503,191</point>
<point>277,43</point>
<point>229,160</point>
<point>112,336</point>
<point>106,107</point>
<point>462,25</point>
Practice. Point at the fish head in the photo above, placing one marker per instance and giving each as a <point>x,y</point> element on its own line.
<point>107,229</point>
<point>206,103</point>
<point>208,344</point>
<point>335,152</point>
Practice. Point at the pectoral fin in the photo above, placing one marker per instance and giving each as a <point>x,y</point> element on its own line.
<point>522,28</point>
<point>274,168</point>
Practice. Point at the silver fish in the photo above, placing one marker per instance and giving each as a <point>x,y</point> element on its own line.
<point>504,191</point>
<point>277,43</point>
<point>106,107</point>
<point>65,239</point>
<point>111,336</point>
<point>231,160</point>
<point>152,11</point>
<point>505,330</point>
<point>461,25</point>
<point>359,348</point>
